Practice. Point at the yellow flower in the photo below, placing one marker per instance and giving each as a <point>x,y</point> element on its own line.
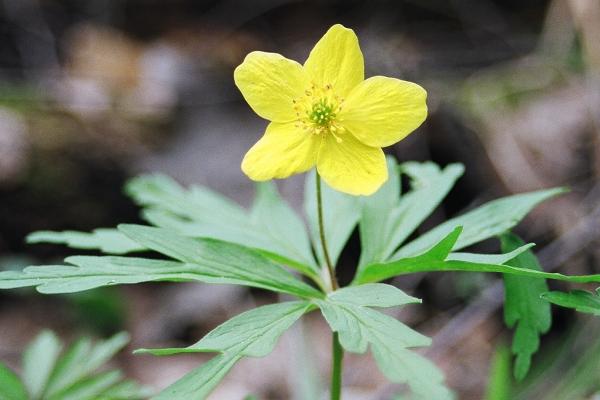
<point>325,113</point>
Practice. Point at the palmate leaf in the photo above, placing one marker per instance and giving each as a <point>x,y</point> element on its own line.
<point>203,260</point>
<point>253,333</point>
<point>196,203</point>
<point>72,375</point>
<point>81,360</point>
<point>200,212</point>
<point>388,219</point>
<point>523,306</point>
<point>438,258</point>
<point>360,327</point>
<point>580,300</point>
<point>271,226</point>
<point>341,213</point>
<point>222,259</point>
<point>91,388</point>
<point>487,221</point>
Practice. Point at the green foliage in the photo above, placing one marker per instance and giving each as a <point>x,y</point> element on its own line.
<point>388,219</point>
<point>285,230</point>
<point>203,260</point>
<point>348,312</point>
<point>500,383</point>
<point>107,240</point>
<point>253,333</point>
<point>38,362</point>
<point>206,237</point>
<point>580,300</point>
<point>220,261</point>
<point>271,225</point>
<point>484,222</point>
<point>11,387</point>
<point>74,374</point>
<point>523,307</point>
<point>439,258</point>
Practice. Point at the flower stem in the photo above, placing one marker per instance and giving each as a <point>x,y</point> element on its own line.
<point>336,372</point>
<point>334,282</point>
<point>336,348</point>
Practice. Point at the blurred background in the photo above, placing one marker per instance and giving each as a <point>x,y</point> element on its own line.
<point>94,92</point>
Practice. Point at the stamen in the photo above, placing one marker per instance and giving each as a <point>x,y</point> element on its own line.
<point>318,113</point>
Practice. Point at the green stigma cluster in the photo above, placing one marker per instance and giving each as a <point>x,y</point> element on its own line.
<point>322,113</point>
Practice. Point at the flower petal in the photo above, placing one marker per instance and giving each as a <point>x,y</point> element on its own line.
<point>382,111</point>
<point>337,60</point>
<point>284,150</point>
<point>351,166</point>
<point>270,82</point>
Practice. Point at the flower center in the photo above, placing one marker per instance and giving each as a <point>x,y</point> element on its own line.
<point>322,113</point>
<point>318,111</point>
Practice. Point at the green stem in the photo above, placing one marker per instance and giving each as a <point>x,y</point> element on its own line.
<point>334,283</point>
<point>336,372</point>
<point>336,348</point>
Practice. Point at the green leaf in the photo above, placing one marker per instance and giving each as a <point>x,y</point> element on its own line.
<point>91,388</point>
<point>388,219</point>
<point>197,203</point>
<point>88,272</point>
<point>198,383</point>
<point>127,390</point>
<point>198,212</point>
<point>82,359</point>
<point>253,333</point>
<point>38,361</point>
<point>272,227</point>
<point>523,306</point>
<point>489,220</point>
<point>438,259</point>
<point>489,258</point>
<point>378,272</point>
<point>285,230</point>
<point>105,239</point>
<point>223,263</point>
<point>360,327</point>
<point>340,215</point>
<point>500,384</point>
<point>373,295</point>
<point>580,300</point>
<point>72,376</point>
<point>379,213</point>
<point>11,387</point>
<point>257,242</point>
<point>227,262</point>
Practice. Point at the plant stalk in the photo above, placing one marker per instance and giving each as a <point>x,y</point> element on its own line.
<point>334,282</point>
<point>336,348</point>
<point>336,371</point>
